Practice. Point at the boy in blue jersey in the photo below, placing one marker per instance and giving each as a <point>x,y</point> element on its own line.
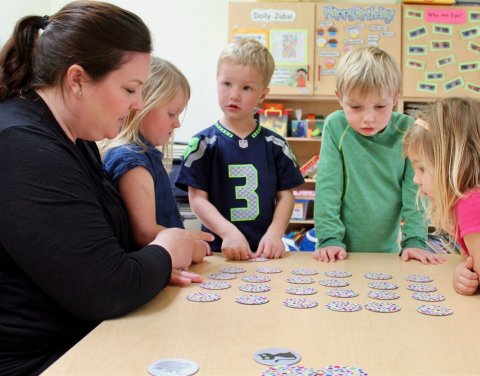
<point>364,185</point>
<point>239,175</point>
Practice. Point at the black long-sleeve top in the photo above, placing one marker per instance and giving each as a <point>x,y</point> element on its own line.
<point>67,259</point>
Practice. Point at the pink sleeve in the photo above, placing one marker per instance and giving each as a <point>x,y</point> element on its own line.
<point>468,214</point>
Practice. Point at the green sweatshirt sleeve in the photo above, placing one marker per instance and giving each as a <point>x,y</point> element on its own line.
<point>329,229</point>
<point>415,226</point>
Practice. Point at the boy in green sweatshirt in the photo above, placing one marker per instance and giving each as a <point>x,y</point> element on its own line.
<point>364,185</point>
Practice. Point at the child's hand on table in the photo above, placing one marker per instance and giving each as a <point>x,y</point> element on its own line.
<point>465,280</point>
<point>421,255</point>
<point>270,247</point>
<point>235,246</point>
<point>331,253</point>
<point>184,278</point>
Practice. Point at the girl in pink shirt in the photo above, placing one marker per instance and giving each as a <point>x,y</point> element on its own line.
<point>444,147</point>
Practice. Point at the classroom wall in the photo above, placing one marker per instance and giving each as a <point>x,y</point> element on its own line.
<point>189,33</point>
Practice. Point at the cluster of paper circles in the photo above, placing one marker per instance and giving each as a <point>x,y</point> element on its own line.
<point>290,370</point>
<point>300,303</point>
<point>251,299</point>
<point>254,288</point>
<point>300,290</point>
<point>215,285</point>
<point>333,283</point>
<point>344,306</point>
<point>203,297</point>
<point>381,276</point>
<point>342,293</point>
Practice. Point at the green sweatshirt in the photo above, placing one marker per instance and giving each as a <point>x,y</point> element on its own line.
<point>365,188</point>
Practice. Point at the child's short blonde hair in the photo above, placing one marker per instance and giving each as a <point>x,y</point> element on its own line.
<point>368,69</point>
<point>249,53</point>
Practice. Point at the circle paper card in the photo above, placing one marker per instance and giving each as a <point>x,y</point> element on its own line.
<point>418,278</point>
<point>254,288</point>
<point>292,370</point>
<point>305,271</point>
<point>344,306</point>
<point>342,293</point>
<point>300,290</point>
<point>373,275</point>
<point>215,285</point>
<point>251,299</point>
<point>276,356</point>
<point>300,279</point>
<point>342,371</point>
<point>333,283</point>
<point>382,307</point>
<point>174,366</point>
<point>428,297</point>
<point>203,297</point>
<point>256,278</point>
<point>222,276</point>
<point>419,287</point>
<point>232,269</point>
<point>258,259</point>
<point>269,269</point>
<point>300,303</point>
<point>383,285</point>
<point>434,310</point>
<point>383,295</point>
<point>338,274</point>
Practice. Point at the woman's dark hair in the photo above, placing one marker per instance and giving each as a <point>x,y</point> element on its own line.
<point>98,36</point>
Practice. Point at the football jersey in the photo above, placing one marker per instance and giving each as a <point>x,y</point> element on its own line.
<point>241,176</point>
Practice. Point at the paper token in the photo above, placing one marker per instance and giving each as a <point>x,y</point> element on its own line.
<point>256,278</point>
<point>300,290</point>
<point>373,275</point>
<point>258,259</point>
<point>338,274</point>
<point>254,288</point>
<point>383,285</point>
<point>382,307</point>
<point>222,276</point>
<point>434,310</point>
<point>269,269</point>
<point>419,287</point>
<point>300,303</point>
<point>335,370</point>
<point>232,269</point>
<point>344,306</point>
<point>305,271</point>
<point>292,370</point>
<point>276,356</point>
<point>428,296</point>
<point>203,297</point>
<point>418,278</point>
<point>333,283</point>
<point>300,279</point>
<point>173,366</point>
<point>342,293</point>
<point>251,299</point>
<point>215,285</point>
<point>383,295</point>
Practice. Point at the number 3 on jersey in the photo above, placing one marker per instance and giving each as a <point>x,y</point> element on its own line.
<point>245,192</point>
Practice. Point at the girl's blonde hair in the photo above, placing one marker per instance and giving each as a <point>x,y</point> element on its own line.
<point>449,141</point>
<point>368,69</point>
<point>163,83</point>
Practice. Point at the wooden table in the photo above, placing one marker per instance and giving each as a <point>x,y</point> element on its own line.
<point>223,336</point>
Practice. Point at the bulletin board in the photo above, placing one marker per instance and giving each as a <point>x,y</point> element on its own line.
<point>287,30</point>
<point>441,51</point>
<point>341,27</point>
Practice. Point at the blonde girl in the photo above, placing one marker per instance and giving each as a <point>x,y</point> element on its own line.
<point>444,147</point>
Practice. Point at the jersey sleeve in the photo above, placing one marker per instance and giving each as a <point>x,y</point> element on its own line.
<point>196,165</point>
<point>289,175</point>
<point>119,160</point>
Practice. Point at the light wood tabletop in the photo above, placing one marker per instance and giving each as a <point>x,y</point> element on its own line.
<point>223,336</point>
